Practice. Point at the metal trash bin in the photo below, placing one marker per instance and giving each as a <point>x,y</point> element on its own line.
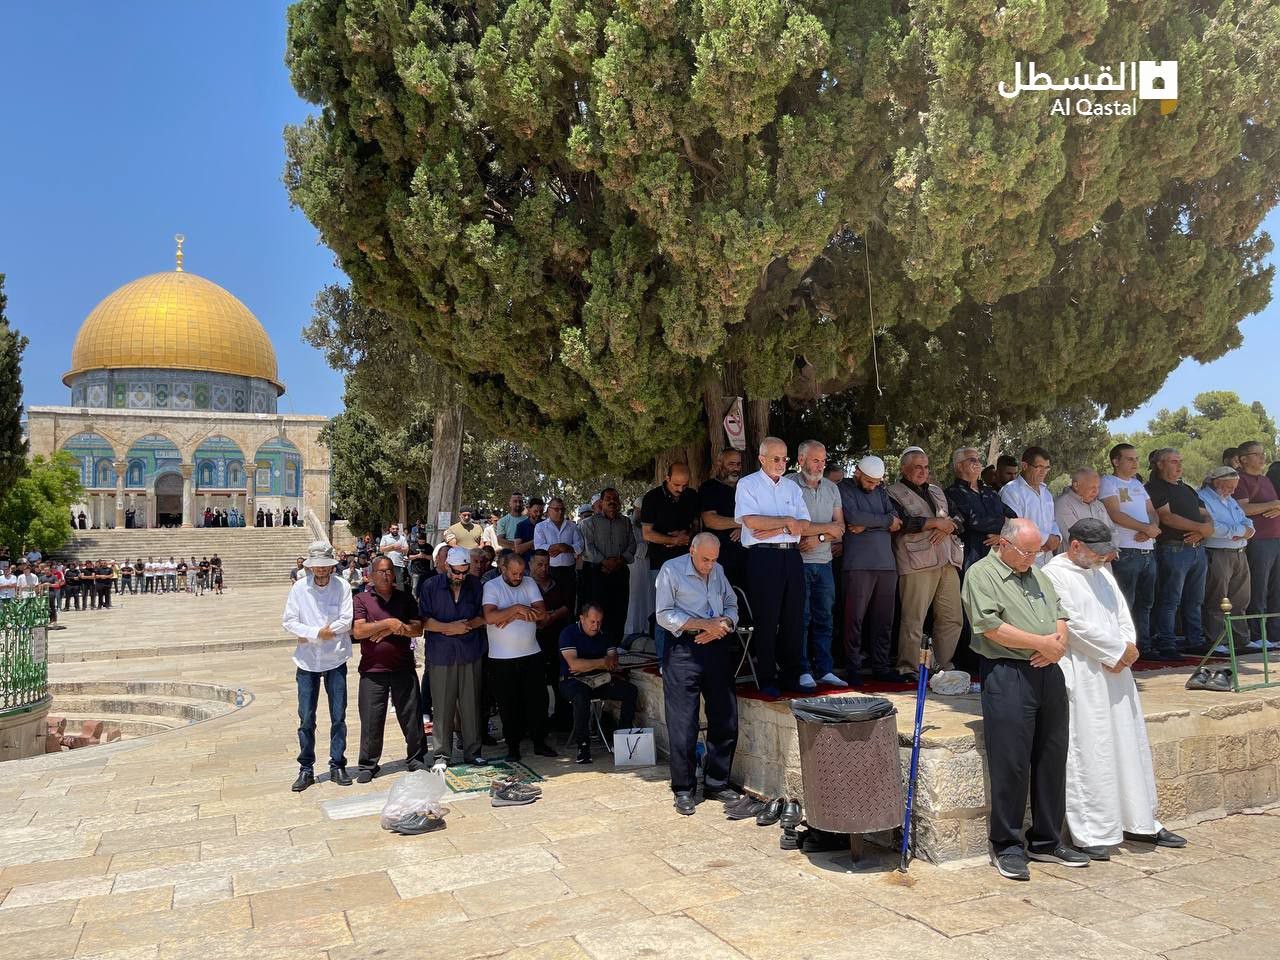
<point>849,763</point>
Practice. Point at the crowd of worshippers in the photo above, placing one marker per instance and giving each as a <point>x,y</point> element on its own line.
<point>83,585</point>
<point>525,606</point>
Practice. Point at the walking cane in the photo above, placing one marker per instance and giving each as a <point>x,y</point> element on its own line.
<point>922,684</point>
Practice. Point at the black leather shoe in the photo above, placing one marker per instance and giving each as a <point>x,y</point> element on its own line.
<point>340,776</point>
<point>771,813</point>
<point>1162,839</point>
<point>305,779</point>
<point>584,754</point>
<point>791,815</point>
<point>1096,853</point>
<point>365,774</point>
<point>791,839</point>
<point>685,804</point>
<point>745,809</point>
<point>724,795</point>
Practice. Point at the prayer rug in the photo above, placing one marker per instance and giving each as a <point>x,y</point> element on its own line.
<point>475,778</point>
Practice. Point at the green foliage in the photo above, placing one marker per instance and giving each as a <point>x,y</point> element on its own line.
<point>1220,420</point>
<point>13,445</point>
<point>35,510</point>
<point>587,211</point>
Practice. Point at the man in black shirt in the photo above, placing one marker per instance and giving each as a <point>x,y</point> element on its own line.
<point>1181,563</point>
<point>71,586</point>
<point>103,576</point>
<point>716,499</point>
<point>421,564</point>
<point>669,516</point>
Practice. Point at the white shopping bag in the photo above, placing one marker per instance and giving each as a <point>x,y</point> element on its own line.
<point>633,747</point>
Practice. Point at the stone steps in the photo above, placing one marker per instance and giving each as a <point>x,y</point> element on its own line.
<point>249,554</point>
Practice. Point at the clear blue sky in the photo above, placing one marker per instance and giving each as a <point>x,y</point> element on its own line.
<point>126,123</point>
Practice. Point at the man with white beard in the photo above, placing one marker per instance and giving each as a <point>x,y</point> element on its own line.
<point>1111,787</point>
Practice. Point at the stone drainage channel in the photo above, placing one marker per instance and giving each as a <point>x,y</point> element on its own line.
<point>89,713</point>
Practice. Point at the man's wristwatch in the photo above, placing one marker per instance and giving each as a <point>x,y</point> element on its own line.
<point>822,538</point>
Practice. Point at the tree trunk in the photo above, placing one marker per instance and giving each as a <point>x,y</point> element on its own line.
<point>993,447</point>
<point>701,454</point>
<point>445,488</point>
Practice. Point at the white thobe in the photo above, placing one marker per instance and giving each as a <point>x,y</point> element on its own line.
<point>1111,785</point>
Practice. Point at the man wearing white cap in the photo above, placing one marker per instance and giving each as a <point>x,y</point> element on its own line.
<point>452,609</point>
<point>869,570</point>
<point>318,611</point>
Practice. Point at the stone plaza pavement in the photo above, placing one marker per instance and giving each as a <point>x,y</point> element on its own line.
<point>188,844</point>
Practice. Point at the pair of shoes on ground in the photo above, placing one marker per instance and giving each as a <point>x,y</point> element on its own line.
<point>512,792</point>
<point>808,684</point>
<point>307,777</point>
<point>685,801</point>
<point>1206,679</point>
<point>584,753</point>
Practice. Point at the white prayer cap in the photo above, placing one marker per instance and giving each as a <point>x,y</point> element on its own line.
<point>871,467</point>
<point>909,451</point>
<point>458,557</point>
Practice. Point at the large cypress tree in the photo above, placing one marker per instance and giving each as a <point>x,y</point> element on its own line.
<point>13,445</point>
<point>602,218</point>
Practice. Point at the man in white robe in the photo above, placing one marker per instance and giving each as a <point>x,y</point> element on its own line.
<point>1111,786</point>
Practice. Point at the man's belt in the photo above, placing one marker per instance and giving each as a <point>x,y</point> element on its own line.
<point>774,546</point>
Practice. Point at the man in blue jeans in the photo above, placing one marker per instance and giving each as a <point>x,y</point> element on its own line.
<point>1137,529</point>
<point>1181,564</point>
<point>318,612</point>
<point>826,524</point>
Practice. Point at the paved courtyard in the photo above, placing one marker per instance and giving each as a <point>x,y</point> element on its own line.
<point>189,844</point>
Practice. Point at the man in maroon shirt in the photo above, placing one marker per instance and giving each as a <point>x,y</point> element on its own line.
<point>384,619</point>
<point>1258,499</point>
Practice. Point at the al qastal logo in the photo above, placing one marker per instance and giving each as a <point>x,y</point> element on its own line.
<point>1145,79</point>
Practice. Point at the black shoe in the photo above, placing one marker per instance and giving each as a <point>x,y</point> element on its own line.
<point>340,776</point>
<point>365,774</point>
<point>771,813</point>
<point>413,766</point>
<point>791,815</point>
<point>1096,853</point>
<point>723,794</point>
<point>416,824</point>
<point>685,804</point>
<point>1011,866</point>
<point>791,839</point>
<point>305,779</point>
<point>820,841</point>
<point>1162,839</point>
<point>545,749</point>
<point>747,808</point>
<point>1062,855</point>
<point>1200,679</point>
<point>584,753</point>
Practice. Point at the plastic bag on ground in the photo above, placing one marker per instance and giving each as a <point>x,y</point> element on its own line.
<point>950,683</point>
<point>418,792</point>
<point>831,709</point>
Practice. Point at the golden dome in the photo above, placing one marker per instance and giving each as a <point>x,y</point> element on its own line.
<point>174,321</point>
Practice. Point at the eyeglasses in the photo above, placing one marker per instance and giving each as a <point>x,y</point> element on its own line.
<point>777,459</point>
<point>1025,554</point>
<point>384,573</point>
<point>460,573</point>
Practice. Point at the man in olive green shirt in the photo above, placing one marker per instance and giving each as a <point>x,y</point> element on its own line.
<point>1020,633</point>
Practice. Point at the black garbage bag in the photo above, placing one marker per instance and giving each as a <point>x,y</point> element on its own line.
<point>841,709</point>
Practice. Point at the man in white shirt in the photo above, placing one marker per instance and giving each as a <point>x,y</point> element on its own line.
<point>28,583</point>
<point>773,516</point>
<point>1137,526</point>
<point>395,545</point>
<point>1029,497</point>
<point>513,610</point>
<point>318,612</point>
<point>561,538</point>
<point>9,585</point>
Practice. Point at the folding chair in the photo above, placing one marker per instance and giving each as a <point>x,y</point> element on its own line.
<point>744,632</point>
<point>597,721</point>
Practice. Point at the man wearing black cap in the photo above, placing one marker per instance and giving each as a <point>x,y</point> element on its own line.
<point>1110,783</point>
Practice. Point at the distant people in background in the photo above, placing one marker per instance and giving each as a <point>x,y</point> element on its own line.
<point>507,524</point>
<point>395,546</point>
<point>1231,458</point>
<point>525,528</point>
<point>464,533</point>
<point>608,547</point>
<point>489,536</point>
<point>299,571</point>
<point>259,520</point>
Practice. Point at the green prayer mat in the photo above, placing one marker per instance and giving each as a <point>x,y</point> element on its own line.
<point>474,778</point>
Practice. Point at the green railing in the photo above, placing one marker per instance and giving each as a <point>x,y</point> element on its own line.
<point>1228,638</point>
<point>24,653</point>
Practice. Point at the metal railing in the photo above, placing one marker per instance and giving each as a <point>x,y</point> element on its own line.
<point>24,653</point>
<point>1228,639</point>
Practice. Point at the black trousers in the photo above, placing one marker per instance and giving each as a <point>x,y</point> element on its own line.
<point>70,595</point>
<point>868,618</point>
<point>581,695</point>
<point>566,579</point>
<point>776,578</point>
<point>402,687</point>
<point>689,671</point>
<point>1024,723</point>
<point>613,592</point>
<point>520,687</point>
<point>104,594</point>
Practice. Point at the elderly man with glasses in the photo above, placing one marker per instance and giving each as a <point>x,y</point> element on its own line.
<point>1028,496</point>
<point>1020,632</point>
<point>452,609</point>
<point>384,621</point>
